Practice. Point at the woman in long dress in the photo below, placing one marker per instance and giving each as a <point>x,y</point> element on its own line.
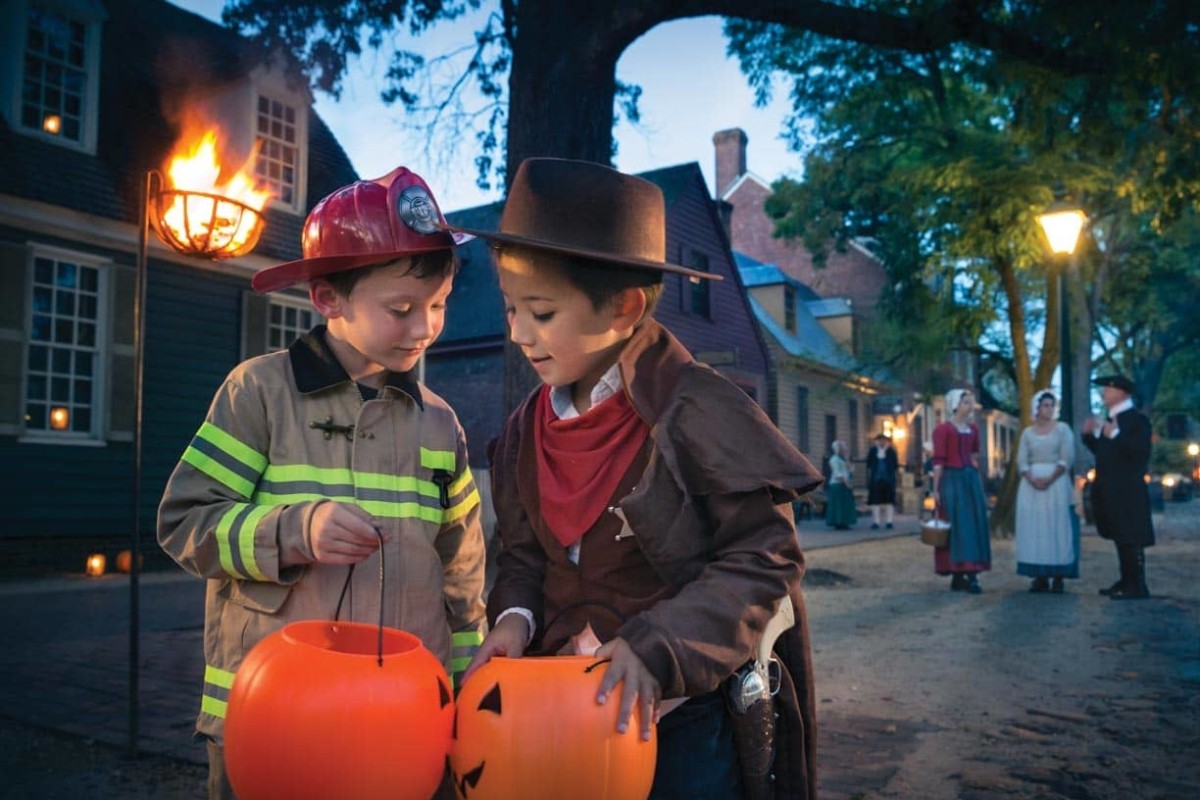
<point>840,511</point>
<point>958,491</point>
<point>1047,545</point>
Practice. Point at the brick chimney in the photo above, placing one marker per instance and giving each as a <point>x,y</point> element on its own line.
<point>730,146</point>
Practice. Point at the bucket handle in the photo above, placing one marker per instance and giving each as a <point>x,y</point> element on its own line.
<point>350,574</point>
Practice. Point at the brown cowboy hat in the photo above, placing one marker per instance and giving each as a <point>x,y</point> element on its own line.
<point>588,210</point>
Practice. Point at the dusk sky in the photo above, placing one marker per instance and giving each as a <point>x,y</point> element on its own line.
<point>690,90</point>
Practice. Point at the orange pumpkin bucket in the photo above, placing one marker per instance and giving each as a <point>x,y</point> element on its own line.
<point>531,728</point>
<point>325,709</point>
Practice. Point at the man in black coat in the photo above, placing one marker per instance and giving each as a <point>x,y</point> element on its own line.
<point>1120,498</point>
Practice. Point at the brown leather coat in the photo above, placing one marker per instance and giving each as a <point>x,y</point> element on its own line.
<point>709,513</point>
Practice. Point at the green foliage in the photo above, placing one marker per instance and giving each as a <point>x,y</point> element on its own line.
<point>942,159</point>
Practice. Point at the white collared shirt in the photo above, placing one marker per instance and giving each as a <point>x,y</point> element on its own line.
<point>1119,408</point>
<point>609,384</point>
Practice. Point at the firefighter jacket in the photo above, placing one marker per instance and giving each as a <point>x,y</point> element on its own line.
<point>286,432</point>
<point>697,550</point>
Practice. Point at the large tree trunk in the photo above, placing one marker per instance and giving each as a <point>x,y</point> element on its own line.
<point>1003,516</point>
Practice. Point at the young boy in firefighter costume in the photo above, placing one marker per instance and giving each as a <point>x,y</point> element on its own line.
<point>641,496</point>
<point>312,459</point>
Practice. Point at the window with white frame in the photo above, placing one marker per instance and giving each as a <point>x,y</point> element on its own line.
<point>64,353</point>
<point>278,159</point>
<point>288,320</point>
<point>59,69</point>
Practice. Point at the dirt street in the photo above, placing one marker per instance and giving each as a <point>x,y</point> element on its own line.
<point>927,693</point>
<point>923,693</point>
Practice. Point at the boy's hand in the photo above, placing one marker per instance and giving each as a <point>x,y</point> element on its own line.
<point>640,685</point>
<point>508,639</point>
<point>342,533</point>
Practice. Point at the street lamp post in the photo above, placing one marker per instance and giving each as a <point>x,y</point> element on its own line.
<point>1062,223</point>
<point>1193,450</point>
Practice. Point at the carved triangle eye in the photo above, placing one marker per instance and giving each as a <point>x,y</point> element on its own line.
<point>443,693</point>
<point>491,700</point>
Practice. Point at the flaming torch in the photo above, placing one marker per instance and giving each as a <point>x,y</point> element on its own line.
<point>197,215</point>
<point>200,216</point>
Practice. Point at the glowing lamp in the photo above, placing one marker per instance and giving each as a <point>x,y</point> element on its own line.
<point>1193,449</point>
<point>52,123</point>
<point>1062,222</point>
<point>899,434</point>
<point>94,567</point>
<point>928,503</point>
<point>60,418</point>
<point>125,561</point>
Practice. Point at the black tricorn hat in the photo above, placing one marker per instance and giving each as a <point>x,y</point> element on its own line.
<point>588,210</point>
<point>1117,382</point>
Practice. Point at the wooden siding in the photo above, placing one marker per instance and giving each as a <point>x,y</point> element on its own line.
<point>472,382</point>
<point>192,320</point>
<point>692,225</point>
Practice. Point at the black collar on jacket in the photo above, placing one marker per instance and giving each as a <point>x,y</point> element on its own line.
<point>316,368</point>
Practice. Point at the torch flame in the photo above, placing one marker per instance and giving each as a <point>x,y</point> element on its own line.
<point>199,214</point>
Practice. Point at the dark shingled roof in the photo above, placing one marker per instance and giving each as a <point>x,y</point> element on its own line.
<point>153,54</point>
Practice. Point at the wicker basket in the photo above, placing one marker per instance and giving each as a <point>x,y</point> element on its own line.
<point>935,532</point>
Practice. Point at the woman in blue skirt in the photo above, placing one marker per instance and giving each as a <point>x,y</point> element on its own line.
<point>840,510</point>
<point>958,492</point>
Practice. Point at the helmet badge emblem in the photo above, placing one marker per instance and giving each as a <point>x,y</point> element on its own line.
<point>417,210</point>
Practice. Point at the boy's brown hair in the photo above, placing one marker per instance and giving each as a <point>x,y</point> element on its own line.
<point>600,281</point>
<point>435,264</point>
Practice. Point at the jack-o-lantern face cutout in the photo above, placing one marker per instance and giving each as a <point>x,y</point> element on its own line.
<point>531,728</point>
<point>314,714</point>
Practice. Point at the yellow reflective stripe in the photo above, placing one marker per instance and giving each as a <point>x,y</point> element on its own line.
<point>246,540</point>
<point>437,459</point>
<point>295,473</point>
<point>213,706</point>
<point>304,472</point>
<point>466,639</point>
<point>217,676</point>
<point>218,471</point>
<point>224,545</point>
<point>462,508</point>
<point>380,508</point>
<point>234,447</point>
<point>457,665</point>
<point>461,482</point>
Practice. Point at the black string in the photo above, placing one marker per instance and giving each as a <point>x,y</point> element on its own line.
<point>349,574</point>
<point>379,533</point>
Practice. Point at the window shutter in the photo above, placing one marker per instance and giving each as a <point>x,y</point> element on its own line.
<point>14,274</point>
<point>256,310</point>
<point>121,391</point>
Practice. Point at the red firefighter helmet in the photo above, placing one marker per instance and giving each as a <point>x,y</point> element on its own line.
<point>367,222</point>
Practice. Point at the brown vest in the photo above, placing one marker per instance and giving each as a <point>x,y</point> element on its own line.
<point>612,582</point>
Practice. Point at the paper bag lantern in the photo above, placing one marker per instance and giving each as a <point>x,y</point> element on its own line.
<point>313,714</point>
<point>531,728</point>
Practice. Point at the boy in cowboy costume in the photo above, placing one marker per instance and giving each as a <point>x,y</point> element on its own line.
<point>313,459</point>
<point>643,500</point>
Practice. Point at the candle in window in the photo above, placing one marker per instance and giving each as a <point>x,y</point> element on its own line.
<point>95,565</point>
<point>60,418</point>
<point>52,123</point>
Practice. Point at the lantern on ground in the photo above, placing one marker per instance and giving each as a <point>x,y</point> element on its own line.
<point>531,728</point>
<point>95,564</point>
<point>338,709</point>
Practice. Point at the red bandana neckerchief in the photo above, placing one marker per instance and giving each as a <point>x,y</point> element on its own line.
<point>581,460</point>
